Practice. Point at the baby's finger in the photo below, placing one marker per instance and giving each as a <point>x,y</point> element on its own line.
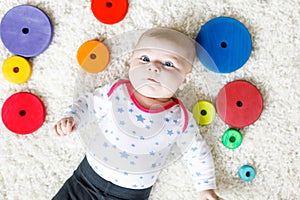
<point>63,128</point>
<point>55,129</point>
<point>66,126</point>
<point>70,122</point>
<point>58,129</point>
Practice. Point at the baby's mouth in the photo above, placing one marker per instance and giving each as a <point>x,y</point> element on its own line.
<point>152,80</point>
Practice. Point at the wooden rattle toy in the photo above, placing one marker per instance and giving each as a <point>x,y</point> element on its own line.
<point>16,69</point>
<point>224,45</point>
<point>239,104</point>
<point>93,56</point>
<point>247,173</point>
<point>232,138</point>
<point>23,113</point>
<point>204,112</point>
<point>26,31</point>
<point>109,11</point>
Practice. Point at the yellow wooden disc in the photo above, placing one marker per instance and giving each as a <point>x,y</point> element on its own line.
<point>16,69</point>
<point>93,56</point>
<point>204,112</point>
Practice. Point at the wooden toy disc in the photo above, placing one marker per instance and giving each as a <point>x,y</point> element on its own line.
<point>26,31</point>
<point>23,113</point>
<point>204,112</point>
<point>109,11</point>
<point>16,69</point>
<point>224,44</point>
<point>93,56</point>
<point>232,138</point>
<point>239,104</point>
<point>247,173</point>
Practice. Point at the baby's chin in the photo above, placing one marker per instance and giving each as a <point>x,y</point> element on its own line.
<point>152,93</point>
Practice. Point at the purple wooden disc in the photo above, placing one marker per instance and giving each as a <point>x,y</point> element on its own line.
<point>26,31</point>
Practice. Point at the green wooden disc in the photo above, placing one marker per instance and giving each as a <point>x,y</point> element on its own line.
<point>232,138</point>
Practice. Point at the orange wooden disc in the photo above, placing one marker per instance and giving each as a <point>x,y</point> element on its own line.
<point>109,11</point>
<point>93,56</point>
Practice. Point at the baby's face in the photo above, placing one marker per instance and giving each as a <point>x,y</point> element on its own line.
<point>158,73</point>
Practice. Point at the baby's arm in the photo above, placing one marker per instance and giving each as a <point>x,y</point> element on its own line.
<point>199,161</point>
<point>80,112</point>
<point>77,114</point>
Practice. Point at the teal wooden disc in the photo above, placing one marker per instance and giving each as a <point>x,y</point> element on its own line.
<point>247,173</point>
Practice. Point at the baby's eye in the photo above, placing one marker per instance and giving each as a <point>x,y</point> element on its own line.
<point>145,59</point>
<point>168,64</point>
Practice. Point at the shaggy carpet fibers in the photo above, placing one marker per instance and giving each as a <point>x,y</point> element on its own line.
<point>35,166</point>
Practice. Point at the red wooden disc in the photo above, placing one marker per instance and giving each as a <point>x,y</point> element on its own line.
<point>109,11</point>
<point>239,104</point>
<point>23,113</point>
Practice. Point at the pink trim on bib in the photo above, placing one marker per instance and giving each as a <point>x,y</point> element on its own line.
<point>166,107</point>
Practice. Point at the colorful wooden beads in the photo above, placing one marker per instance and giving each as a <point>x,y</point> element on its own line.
<point>204,112</point>
<point>247,173</point>
<point>109,11</point>
<point>224,45</point>
<point>23,113</point>
<point>232,138</point>
<point>26,31</point>
<point>93,56</point>
<point>16,69</point>
<point>239,104</point>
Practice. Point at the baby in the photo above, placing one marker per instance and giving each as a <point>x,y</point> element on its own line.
<point>140,120</point>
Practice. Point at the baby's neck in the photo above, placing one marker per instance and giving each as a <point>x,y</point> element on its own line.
<point>151,103</point>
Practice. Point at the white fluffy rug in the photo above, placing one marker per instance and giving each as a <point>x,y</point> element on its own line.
<point>35,166</point>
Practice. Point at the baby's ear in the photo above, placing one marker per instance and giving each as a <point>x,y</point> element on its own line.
<point>187,79</point>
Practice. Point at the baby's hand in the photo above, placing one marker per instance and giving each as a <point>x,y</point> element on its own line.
<point>64,126</point>
<point>209,195</point>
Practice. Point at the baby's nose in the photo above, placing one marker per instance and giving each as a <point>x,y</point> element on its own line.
<point>154,67</point>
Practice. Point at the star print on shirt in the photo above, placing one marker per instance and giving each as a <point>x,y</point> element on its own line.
<point>120,110</point>
<point>170,132</point>
<point>105,144</point>
<point>194,149</point>
<point>124,154</point>
<point>140,118</point>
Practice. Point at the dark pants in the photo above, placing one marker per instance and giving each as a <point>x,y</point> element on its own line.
<point>85,184</point>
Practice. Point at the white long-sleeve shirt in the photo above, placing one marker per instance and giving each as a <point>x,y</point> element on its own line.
<point>132,143</point>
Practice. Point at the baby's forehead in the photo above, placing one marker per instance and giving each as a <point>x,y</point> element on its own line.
<point>165,39</point>
<point>158,52</point>
<point>168,40</point>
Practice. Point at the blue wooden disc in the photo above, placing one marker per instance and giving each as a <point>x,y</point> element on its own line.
<point>224,45</point>
<point>26,31</point>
